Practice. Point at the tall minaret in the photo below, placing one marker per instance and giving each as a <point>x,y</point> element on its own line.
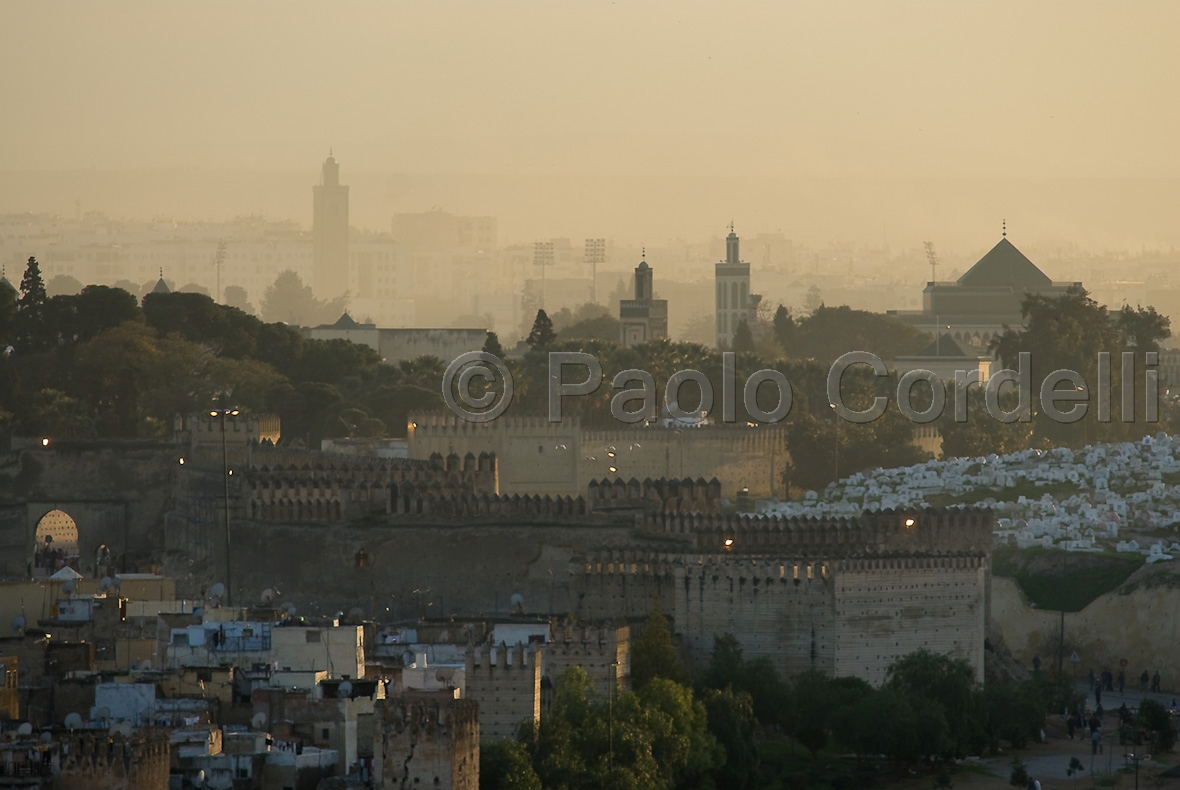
<point>733,292</point>
<point>330,232</point>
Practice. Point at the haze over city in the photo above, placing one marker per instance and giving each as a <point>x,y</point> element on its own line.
<point>848,122</point>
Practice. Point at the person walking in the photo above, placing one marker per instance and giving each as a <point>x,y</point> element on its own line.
<point>1095,741</point>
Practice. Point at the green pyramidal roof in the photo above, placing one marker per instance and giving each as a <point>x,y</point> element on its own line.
<point>1005,265</point>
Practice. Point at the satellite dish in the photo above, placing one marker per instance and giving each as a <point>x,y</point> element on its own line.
<point>517,601</point>
<point>73,721</point>
<point>344,689</point>
<point>120,728</point>
<point>106,583</point>
<point>104,714</point>
<point>117,582</point>
<point>217,590</point>
<point>18,623</point>
<point>47,737</point>
<point>289,608</point>
<point>25,729</point>
<point>68,587</point>
<point>259,720</point>
<point>268,596</point>
<point>199,779</point>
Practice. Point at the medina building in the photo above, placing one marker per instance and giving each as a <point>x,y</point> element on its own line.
<point>976,308</point>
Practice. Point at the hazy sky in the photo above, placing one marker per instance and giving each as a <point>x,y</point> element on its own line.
<point>1017,90</point>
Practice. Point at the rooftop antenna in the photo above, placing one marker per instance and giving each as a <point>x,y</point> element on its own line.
<point>731,226</point>
<point>1004,228</point>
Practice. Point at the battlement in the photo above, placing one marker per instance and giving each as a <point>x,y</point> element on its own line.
<point>324,488</point>
<point>427,714</point>
<point>444,423</point>
<point>665,495</point>
<point>507,684</point>
<point>432,503</point>
<point>874,533</point>
<point>502,656</point>
<point>243,428</point>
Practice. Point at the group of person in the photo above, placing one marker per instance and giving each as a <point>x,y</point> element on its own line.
<point>1108,682</point>
<point>1077,724</point>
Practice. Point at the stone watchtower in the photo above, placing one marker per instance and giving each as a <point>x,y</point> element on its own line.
<point>507,686</point>
<point>426,739</point>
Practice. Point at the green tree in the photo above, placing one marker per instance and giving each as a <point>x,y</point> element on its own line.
<point>331,360</point>
<point>657,737</point>
<point>743,338</point>
<point>980,434</point>
<point>542,334</point>
<point>784,328</point>
<point>99,307</point>
<point>1018,775</point>
<point>1068,332</point>
<point>63,284</point>
<point>393,404</point>
<point>236,296</point>
<point>29,327</point>
<point>653,655</point>
<point>732,723</point>
<point>1155,719</point>
<point>56,415</point>
<point>505,765</point>
<point>227,331</point>
<point>1143,328</point>
<point>944,693</point>
<point>289,301</point>
<point>32,287</point>
<point>8,308</point>
<point>829,332</point>
<point>1015,713</point>
<point>492,345</point>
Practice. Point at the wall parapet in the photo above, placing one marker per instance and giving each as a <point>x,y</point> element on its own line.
<point>902,532</point>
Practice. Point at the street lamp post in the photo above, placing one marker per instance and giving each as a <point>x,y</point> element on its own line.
<point>836,424</point>
<point>223,413</point>
<point>610,711</point>
<point>1137,758</point>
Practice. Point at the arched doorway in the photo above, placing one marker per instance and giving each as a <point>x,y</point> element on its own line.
<point>56,543</point>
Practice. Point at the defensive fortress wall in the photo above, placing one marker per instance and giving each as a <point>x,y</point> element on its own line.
<point>430,537</point>
<point>540,457</point>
